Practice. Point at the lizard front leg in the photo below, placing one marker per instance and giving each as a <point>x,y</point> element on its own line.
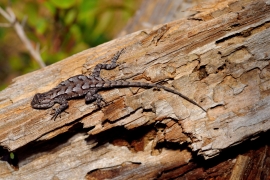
<point>63,105</point>
<point>92,95</point>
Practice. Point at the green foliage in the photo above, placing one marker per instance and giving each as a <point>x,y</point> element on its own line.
<point>11,155</point>
<point>63,4</point>
<point>61,28</point>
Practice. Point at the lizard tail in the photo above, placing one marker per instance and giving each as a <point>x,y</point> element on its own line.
<point>122,83</point>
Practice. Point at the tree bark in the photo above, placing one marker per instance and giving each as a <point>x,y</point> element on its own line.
<point>219,57</point>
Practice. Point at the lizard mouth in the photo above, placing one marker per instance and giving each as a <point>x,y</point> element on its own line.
<point>35,102</point>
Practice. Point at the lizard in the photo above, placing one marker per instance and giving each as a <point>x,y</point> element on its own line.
<point>88,86</point>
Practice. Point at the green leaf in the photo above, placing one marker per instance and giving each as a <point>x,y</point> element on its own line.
<point>71,15</point>
<point>11,155</point>
<point>41,26</point>
<point>88,5</point>
<point>63,4</point>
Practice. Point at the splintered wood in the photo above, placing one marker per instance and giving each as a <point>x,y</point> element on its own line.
<point>218,57</point>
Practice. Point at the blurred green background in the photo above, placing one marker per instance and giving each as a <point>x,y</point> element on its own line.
<point>61,28</point>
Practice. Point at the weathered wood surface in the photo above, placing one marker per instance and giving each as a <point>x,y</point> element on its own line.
<point>155,12</point>
<point>219,58</point>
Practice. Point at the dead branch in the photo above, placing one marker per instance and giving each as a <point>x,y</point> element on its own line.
<point>10,16</point>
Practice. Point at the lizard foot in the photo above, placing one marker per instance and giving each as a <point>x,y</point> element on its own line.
<point>100,102</point>
<point>56,112</point>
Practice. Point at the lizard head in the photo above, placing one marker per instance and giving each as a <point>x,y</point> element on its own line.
<point>41,101</point>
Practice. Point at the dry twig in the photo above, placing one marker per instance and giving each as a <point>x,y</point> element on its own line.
<point>11,18</point>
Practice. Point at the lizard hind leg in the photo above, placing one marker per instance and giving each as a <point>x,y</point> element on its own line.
<point>113,64</point>
<point>92,95</point>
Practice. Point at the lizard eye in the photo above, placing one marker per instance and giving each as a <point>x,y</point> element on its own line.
<point>38,97</point>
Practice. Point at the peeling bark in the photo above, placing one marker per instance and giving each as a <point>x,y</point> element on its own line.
<point>219,57</point>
